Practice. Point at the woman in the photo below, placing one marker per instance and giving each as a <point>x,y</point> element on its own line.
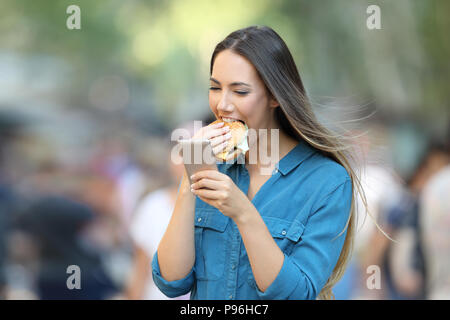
<point>240,234</point>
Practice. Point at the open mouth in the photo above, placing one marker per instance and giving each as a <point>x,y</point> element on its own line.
<point>231,120</point>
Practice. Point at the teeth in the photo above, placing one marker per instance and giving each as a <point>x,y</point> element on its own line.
<point>229,120</point>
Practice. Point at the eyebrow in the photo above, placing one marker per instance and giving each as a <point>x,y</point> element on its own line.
<point>233,83</point>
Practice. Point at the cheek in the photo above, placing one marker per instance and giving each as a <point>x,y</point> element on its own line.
<point>253,109</point>
<point>213,103</point>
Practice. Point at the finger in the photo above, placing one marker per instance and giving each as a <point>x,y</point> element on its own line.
<point>206,184</point>
<point>208,201</point>
<point>210,174</point>
<point>216,125</point>
<point>205,132</point>
<point>220,148</point>
<point>220,139</point>
<point>208,194</point>
<point>209,134</point>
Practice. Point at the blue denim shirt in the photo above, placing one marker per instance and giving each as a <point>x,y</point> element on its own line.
<point>305,205</point>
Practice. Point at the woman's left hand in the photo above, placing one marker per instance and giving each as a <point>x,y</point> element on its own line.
<point>218,190</point>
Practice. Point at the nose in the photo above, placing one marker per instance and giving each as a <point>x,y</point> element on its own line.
<point>225,104</point>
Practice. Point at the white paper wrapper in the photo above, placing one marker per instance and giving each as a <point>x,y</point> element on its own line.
<point>243,146</point>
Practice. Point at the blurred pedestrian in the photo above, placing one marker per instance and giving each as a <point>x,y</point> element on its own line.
<point>403,262</point>
<point>380,185</point>
<point>55,223</point>
<point>435,218</point>
<point>11,125</point>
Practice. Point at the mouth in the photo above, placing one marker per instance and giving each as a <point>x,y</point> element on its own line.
<point>227,119</point>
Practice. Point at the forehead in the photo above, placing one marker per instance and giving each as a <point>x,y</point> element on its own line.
<point>229,67</point>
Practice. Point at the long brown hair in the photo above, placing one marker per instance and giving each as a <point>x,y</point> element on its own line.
<point>269,54</point>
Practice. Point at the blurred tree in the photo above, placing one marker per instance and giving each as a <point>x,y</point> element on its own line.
<point>162,48</point>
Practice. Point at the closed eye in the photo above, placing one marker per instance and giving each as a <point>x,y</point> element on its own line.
<point>242,93</point>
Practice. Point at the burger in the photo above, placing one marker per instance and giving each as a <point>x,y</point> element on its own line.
<point>237,144</point>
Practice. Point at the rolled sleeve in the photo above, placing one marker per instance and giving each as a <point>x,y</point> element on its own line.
<point>283,285</point>
<point>174,288</point>
<point>307,268</point>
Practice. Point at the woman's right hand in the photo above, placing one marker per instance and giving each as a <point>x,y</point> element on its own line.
<point>217,134</point>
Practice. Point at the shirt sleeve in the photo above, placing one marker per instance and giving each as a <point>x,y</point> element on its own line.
<point>174,288</point>
<point>306,270</point>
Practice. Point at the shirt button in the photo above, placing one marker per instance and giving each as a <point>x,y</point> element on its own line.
<point>199,219</point>
<point>233,266</point>
<point>230,296</point>
<point>283,232</point>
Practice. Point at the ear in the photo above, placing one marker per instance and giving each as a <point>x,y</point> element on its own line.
<point>273,103</point>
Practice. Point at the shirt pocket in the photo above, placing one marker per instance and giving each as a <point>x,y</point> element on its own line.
<point>286,234</point>
<point>210,238</point>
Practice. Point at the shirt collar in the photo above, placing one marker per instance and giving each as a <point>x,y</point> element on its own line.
<point>294,157</point>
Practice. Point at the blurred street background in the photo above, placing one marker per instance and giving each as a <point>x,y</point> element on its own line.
<point>86,117</point>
